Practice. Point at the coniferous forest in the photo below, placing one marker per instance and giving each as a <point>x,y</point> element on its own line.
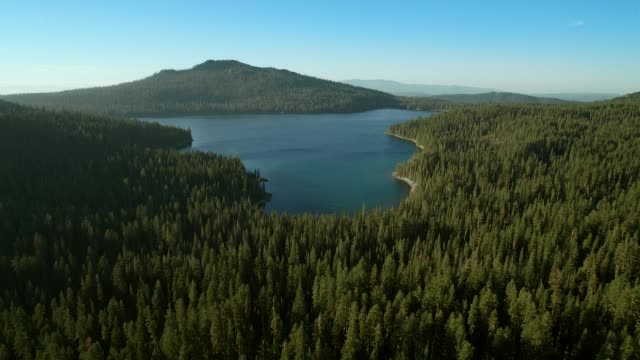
<point>521,240</point>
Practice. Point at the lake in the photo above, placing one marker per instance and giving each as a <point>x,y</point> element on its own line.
<point>318,163</point>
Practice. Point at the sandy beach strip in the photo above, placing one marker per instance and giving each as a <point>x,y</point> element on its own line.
<point>405,138</point>
<point>408,181</point>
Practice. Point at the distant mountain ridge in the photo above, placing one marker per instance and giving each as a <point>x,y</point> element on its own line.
<point>216,86</point>
<point>403,89</point>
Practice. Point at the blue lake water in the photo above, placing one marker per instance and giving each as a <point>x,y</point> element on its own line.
<point>317,163</point>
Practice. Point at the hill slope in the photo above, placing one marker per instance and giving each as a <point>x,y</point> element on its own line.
<point>629,98</point>
<point>498,97</point>
<point>402,89</point>
<point>224,86</point>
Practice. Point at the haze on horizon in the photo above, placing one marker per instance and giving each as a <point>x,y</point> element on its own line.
<point>572,46</point>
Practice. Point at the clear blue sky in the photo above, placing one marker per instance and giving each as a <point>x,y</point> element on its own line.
<point>524,46</point>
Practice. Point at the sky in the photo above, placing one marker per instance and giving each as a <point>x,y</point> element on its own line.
<point>521,46</point>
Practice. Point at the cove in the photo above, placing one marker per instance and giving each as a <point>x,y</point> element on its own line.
<point>315,163</point>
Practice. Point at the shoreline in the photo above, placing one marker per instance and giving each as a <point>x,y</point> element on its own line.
<point>405,180</point>
<point>405,138</point>
<point>411,183</point>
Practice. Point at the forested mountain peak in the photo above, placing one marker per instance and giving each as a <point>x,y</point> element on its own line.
<point>213,87</point>
<point>220,65</point>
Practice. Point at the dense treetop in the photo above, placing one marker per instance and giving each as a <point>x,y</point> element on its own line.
<point>425,103</point>
<point>522,240</point>
<point>224,86</point>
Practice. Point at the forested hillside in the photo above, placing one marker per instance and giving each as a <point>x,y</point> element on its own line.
<point>445,102</point>
<point>520,241</point>
<point>629,98</point>
<point>224,86</point>
<point>498,98</point>
<point>425,103</point>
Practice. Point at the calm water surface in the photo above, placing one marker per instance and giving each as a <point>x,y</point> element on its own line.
<point>318,163</point>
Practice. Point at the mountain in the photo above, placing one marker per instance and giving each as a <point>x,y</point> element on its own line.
<point>498,97</point>
<point>224,86</point>
<point>582,97</point>
<point>402,89</point>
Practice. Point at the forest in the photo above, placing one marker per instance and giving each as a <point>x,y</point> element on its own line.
<point>216,87</point>
<point>521,240</point>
